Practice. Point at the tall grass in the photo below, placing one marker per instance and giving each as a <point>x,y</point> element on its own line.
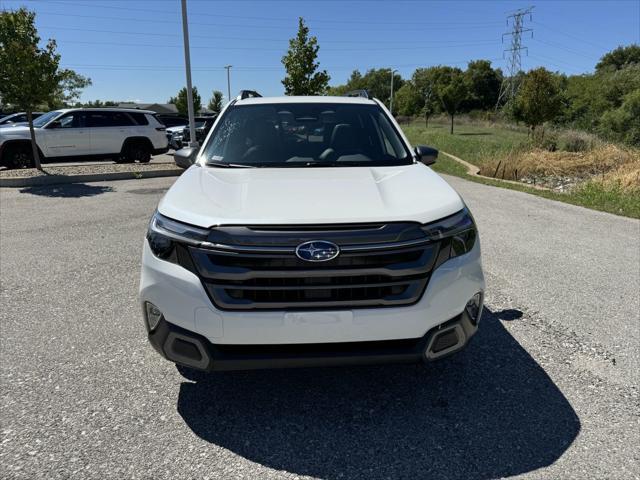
<point>607,176</point>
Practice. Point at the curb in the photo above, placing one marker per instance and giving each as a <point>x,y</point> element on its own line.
<point>91,177</point>
<point>474,171</point>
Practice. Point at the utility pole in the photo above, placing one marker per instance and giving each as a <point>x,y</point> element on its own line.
<point>510,84</point>
<point>187,64</point>
<point>391,98</point>
<point>228,67</point>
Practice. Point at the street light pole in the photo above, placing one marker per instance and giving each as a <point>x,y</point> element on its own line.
<point>228,67</point>
<point>187,64</point>
<point>391,99</point>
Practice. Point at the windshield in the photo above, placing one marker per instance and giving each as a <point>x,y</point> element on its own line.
<point>300,135</point>
<point>42,120</point>
<point>8,117</point>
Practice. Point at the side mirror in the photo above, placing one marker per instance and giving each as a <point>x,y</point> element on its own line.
<point>185,156</point>
<point>426,155</point>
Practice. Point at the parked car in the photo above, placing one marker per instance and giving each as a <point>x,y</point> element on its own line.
<point>180,136</point>
<point>278,248</point>
<point>172,120</point>
<point>125,135</point>
<point>175,136</point>
<point>203,125</point>
<point>17,118</point>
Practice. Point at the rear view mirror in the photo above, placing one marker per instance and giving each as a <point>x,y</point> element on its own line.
<point>426,155</point>
<point>185,156</point>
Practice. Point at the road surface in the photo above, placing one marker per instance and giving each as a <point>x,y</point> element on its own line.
<point>547,389</point>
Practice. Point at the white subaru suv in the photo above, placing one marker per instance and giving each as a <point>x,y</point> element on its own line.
<point>308,232</point>
<point>126,135</point>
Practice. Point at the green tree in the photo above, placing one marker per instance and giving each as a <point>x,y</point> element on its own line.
<point>69,89</point>
<point>303,77</point>
<point>182,104</point>
<point>377,82</point>
<point>619,58</point>
<point>539,98</point>
<point>484,85</point>
<point>30,76</point>
<point>623,123</point>
<point>426,81</point>
<point>408,100</point>
<point>451,90</point>
<point>215,104</point>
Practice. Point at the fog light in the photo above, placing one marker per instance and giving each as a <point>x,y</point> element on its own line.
<point>154,315</point>
<point>474,308</point>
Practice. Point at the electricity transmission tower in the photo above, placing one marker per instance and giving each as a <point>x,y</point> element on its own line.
<point>510,85</point>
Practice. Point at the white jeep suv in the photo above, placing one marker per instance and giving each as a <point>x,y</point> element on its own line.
<point>122,134</point>
<point>308,232</point>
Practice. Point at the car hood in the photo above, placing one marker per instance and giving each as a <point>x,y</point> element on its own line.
<point>15,131</point>
<point>178,129</point>
<point>208,196</point>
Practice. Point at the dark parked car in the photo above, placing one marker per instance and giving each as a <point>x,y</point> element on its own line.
<point>16,118</point>
<point>203,125</point>
<point>172,120</point>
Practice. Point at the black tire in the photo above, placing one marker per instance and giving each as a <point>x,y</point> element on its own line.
<point>18,156</point>
<point>135,150</point>
<point>191,373</point>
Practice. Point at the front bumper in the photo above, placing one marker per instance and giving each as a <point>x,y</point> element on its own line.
<point>187,348</point>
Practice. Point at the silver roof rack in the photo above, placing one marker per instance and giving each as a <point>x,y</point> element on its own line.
<point>357,93</point>
<point>248,94</point>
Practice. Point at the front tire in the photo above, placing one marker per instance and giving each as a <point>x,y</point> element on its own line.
<point>18,156</point>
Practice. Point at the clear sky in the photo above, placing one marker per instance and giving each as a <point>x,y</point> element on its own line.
<point>132,50</point>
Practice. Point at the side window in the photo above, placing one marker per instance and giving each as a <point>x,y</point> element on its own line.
<point>98,119</point>
<point>140,118</point>
<point>108,119</point>
<point>72,120</point>
<point>120,119</point>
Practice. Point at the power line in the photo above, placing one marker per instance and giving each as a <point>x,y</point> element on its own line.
<point>570,35</point>
<point>570,50</point>
<point>263,18</point>
<point>247,67</point>
<point>557,63</point>
<point>248,48</point>
<point>510,85</point>
<point>262,39</point>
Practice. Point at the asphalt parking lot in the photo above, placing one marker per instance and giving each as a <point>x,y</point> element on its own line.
<point>548,389</point>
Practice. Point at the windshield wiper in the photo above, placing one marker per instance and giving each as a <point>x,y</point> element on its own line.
<point>227,165</point>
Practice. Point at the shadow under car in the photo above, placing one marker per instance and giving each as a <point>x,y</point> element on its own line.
<point>489,411</point>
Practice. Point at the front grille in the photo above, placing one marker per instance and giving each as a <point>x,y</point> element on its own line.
<point>243,275</point>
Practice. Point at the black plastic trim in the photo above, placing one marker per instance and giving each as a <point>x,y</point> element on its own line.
<point>221,357</point>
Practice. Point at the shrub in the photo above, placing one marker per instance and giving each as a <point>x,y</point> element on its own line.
<point>576,141</point>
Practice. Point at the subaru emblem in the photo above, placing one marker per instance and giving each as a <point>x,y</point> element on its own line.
<point>317,251</point>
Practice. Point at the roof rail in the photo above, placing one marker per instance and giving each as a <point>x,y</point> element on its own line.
<point>357,93</point>
<point>248,94</point>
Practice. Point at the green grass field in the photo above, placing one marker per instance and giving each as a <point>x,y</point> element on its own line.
<point>472,143</point>
<point>477,143</point>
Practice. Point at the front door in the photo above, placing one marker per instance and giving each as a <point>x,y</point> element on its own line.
<point>67,136</point>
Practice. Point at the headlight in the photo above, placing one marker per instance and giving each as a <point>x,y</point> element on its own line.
<point>163,235</point>
<point>457,232</point>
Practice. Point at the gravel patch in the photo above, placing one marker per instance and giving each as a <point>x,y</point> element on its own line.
<point>85,170</point>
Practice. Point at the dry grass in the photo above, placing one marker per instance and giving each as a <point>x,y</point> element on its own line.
<point>606,163</point>
<point>626,177</point>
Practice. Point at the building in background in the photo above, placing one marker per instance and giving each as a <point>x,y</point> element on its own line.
<point>163,108</point>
